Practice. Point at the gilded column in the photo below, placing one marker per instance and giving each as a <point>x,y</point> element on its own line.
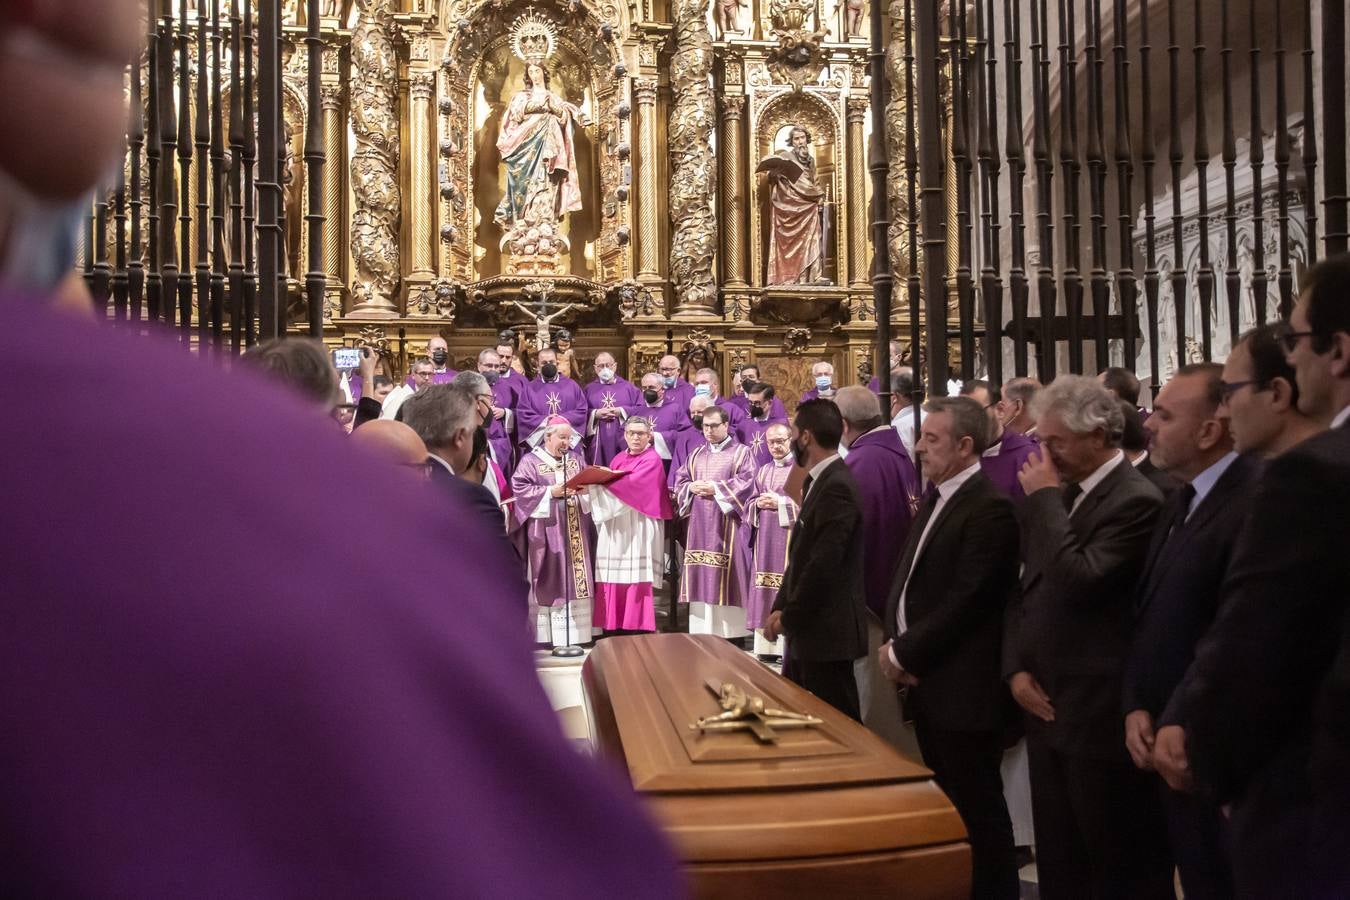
<point>733,191</point>
<point>648,233</point>
<point>422,96</point>
<point>374,163</point>
<point>858,245</point>
<point>693,175</point>
<point>335,151</point>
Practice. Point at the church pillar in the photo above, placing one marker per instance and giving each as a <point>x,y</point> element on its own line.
<point>733,191</point>
<point>422,95</point>
<point>858,244</point>
<point>648,233</point>
<point>334,192</point>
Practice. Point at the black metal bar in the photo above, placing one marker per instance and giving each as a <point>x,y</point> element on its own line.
<point>1148,158</point>
<point>250,157</point>
<point>1176,157</point>
<point>1096,160</point>
<point>913,286</point>
<point>991,286</point>
<point>219,184</point>
<point>202,147</point>
<point>1205,276</point>
<point>878,167</point>
<point>316,280</point>
<point>119,269</point>
<point>136,203</point>
<point>1256,159</point>
<point>102,290</point>
<point>168,186</point>
<point>152,161</point>
<point>1309,134</point>
<point>269,188</point>
<point>1015,150</point>
<point>236,177</point>
<point>1040,142</point>
<point>1070,169</point>
<point>1232,276</point>
<point>965,294</point>
<point>932,208</point>
<point>1127,284</point>
<point>283,173</point>
<point>184,174</point>
<point>1334,191</point>
<point>1283,156</point>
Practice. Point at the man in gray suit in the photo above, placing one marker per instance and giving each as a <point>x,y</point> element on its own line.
<point>1086,524</point>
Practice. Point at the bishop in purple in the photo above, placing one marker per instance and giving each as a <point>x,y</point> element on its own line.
<point>549,394</point>
<point>610,401</point>
<point>714,489</point>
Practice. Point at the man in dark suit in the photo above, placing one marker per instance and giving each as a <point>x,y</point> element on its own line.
<point>1178,596</point>
<point>445,418</point>
<point>944,621</point>
<point>1134,441</point>
<point>821,606</point>
<point>1099,824</point>
<point>1263,717</point>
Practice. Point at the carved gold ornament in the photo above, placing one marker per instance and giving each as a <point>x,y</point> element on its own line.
<point>533,37</point>
<point>741,712</point>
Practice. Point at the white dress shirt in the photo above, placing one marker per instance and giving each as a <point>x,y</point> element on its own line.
<point>1096,478</point>
<point>945,492</point>
<point>1205,481</point>
<point>1341,418</point>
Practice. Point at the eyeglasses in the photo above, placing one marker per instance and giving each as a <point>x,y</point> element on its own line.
<point>1228,388</point>
<point>1289,339</point>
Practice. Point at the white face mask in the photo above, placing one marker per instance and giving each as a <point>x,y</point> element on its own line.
<point>606,374</point>
<point>40,237</point>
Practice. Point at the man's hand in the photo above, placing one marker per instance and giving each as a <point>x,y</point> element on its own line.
<point>1139,738</point>
<point>1169,758</point>
<point>767,501</point>
<point>498,412</point>
<point>703,489</point>
<point>1038,472</point>
<point>891,670</point>
<point>559,490</point>
<point>1029,695</point>
<point>774,626</point>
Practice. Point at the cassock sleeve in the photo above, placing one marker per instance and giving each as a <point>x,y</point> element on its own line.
<point>684,499</point>
<point>530,492</point>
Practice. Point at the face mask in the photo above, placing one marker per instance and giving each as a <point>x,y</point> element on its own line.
<point>823,382</point>
<point>650,395</point>
<point>548,370</point>
<point>606,374</point>
<point>698,422</point>
<point>702,390</point>
<point>42,237</point>
<point>799,454</point>
<point>438,357</point>
<point>669,380</point>
<point>491,376</point>
<point>756,410</point>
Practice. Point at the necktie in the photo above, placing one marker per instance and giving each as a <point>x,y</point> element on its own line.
<point>1071,493</point>
<point>806,486</point>
<point>1185,496</point>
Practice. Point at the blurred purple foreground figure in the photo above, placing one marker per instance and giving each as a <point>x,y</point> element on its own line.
<point>206,688</point>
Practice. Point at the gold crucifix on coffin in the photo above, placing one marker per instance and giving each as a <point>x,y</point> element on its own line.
<point>741,712</point>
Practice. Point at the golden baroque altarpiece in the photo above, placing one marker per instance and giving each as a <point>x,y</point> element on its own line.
<point>598,167</point>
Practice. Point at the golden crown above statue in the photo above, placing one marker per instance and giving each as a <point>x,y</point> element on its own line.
<point>533,37</point>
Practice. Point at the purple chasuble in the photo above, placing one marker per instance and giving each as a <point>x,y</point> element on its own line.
<point>772,530</point>
<point>321,719</point>
<point>751,433</point>
<point>680,394</point>
<point>874,385</point>
<point>717,548</point>
<point>538,401</point>
<point>889,492</point>
<point>669,419</point>
<point>735,415</point>
<point>1001,463</point>
<point>814,394</point>
<point>741,402</point>
<point>502,432</point>
<point>557,547</point>
<point>604,437</point>
<point>685,442</point>
<point>443,377</point>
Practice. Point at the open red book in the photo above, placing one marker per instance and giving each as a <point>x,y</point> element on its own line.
<point>594,475</point>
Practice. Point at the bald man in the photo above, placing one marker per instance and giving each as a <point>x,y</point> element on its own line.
<point>438,351</point>
<point>393,442</point>
<point>678,391</point>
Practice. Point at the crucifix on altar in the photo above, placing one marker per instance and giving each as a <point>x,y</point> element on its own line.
<point>543,319</point>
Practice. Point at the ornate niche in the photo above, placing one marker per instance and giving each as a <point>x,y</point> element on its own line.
<point>773,130</point>
<point>495,222</point>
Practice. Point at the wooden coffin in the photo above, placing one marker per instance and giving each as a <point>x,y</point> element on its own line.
<point>826,811</point>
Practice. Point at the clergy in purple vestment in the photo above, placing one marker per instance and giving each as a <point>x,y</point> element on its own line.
<point>438,353</point>
<point>1007,451</point>
<point>668,418</point>
<point>549,394</point>
<point>714,490</point>
<point>706,385</point>
<point>675,387</point>
<point>500,427</point>
<point>553,525</point>
<point>823,386</point>
<point>749,374</point>
<point>759,417</point>
<point>687,440</point>
<point>610,400</point>
<point>775,513</point>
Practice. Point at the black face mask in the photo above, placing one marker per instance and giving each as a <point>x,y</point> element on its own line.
<point>799,454</point>
<point>756,410</point>
<point>698,422</point>
<point>650,395</point>
<point>548,370</point>
<point>491,376</point>
<point>438,357</point>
